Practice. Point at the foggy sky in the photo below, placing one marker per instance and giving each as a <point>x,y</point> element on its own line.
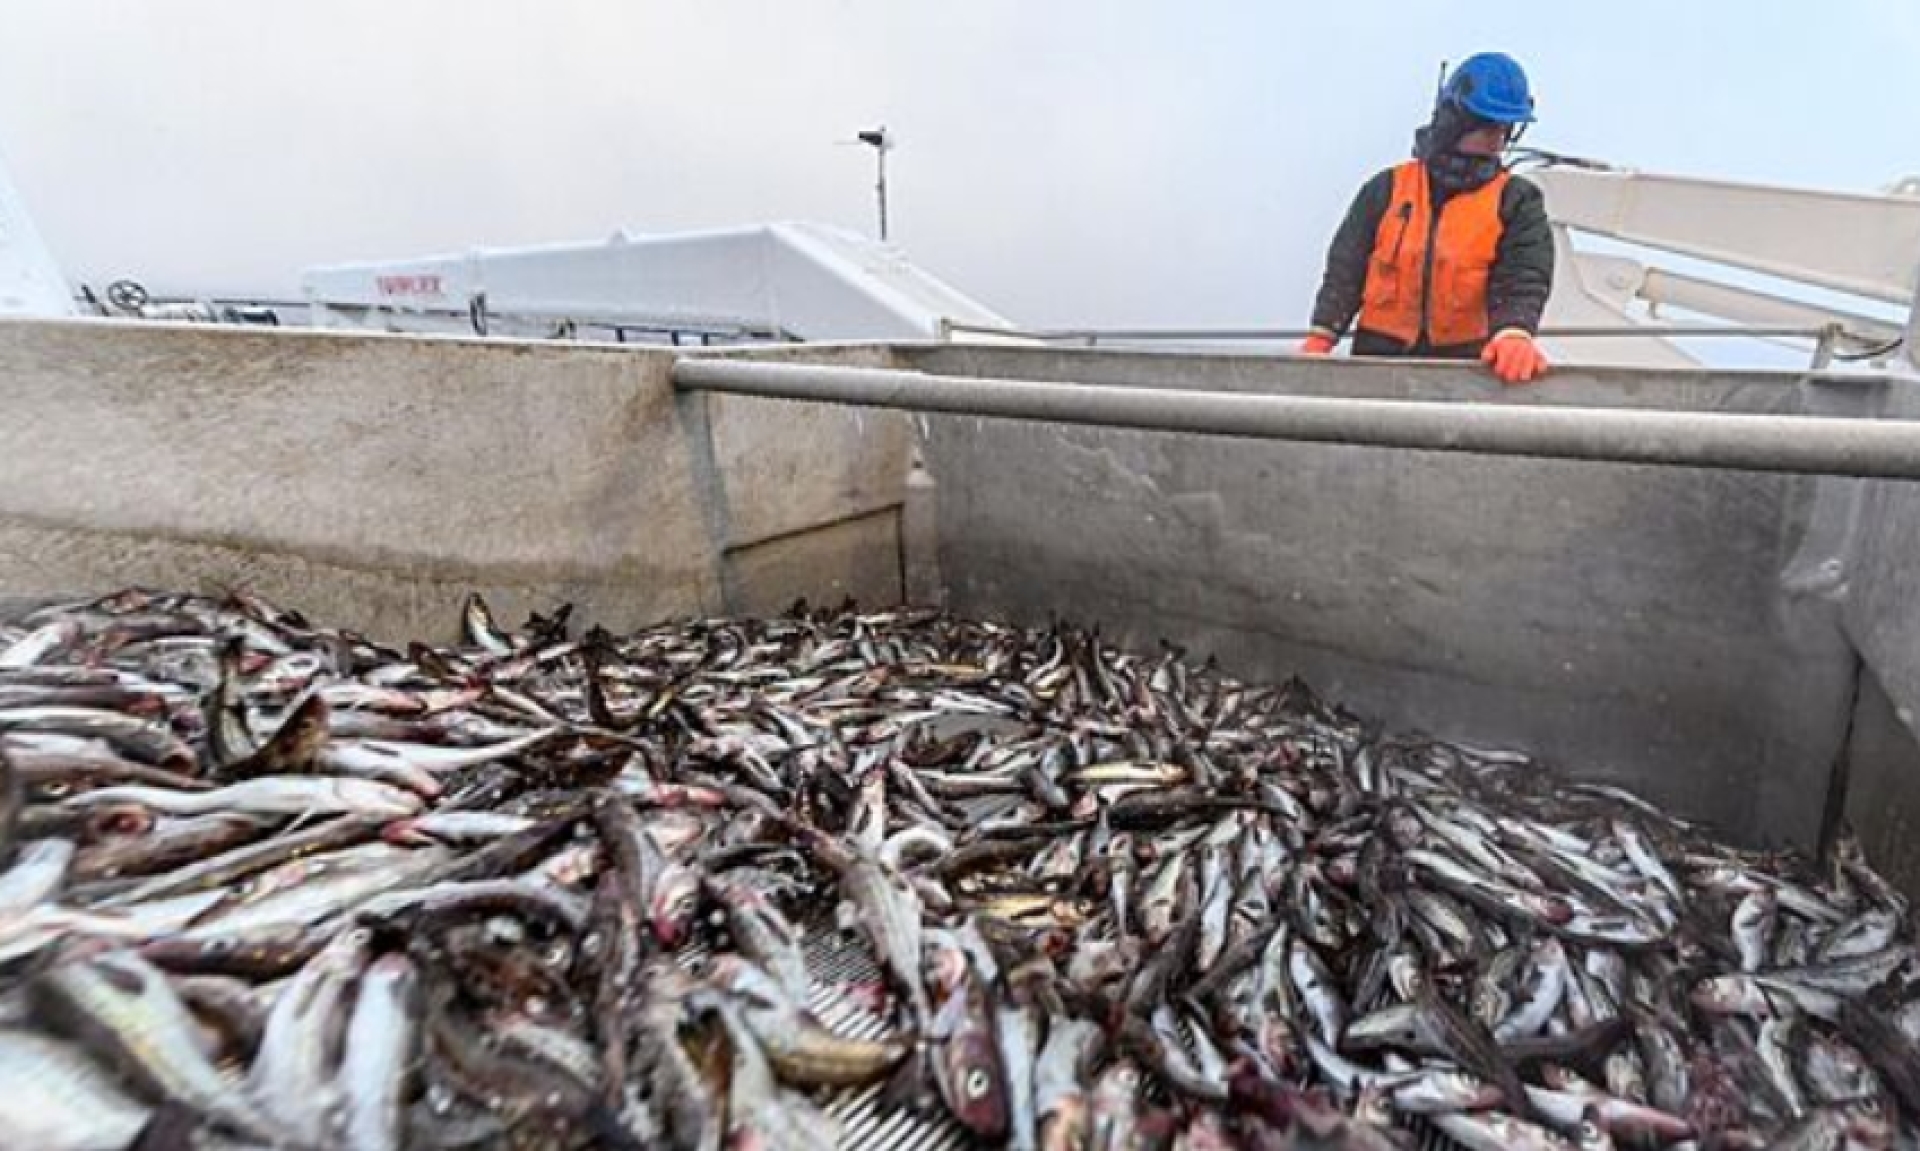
<point>1065,161</point>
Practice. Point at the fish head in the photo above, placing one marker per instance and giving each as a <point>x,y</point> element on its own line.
<point>947,969</point>
<point>1404,972</point>
<point>1590,1134</point>
<point>974,1082</point>
<point>676,900</point>
<point>558,954</point>
<point>1066,1128</point>
<point>1467,1092</point>
<point>379,800</point>
<point>675,830</point>
<point>1278,1044</point>
<point>347,953</point>
<point>744,1138</point>
<point>1730,995</point>
<point>749,983</point>
<point>1489,1004</point>
<point>1053,942</point>
<point>1404,828</point>
<point>1118,1085</point>
<point>1551,908</point>
<point>393,973</point>
<point>1343,870</point>
<point>1560,1078</point>
<point>574,864</point>
<point>1374,1107</point>
<point>114,821</point>
<point>407,833</point>
<point>1869,1122</point>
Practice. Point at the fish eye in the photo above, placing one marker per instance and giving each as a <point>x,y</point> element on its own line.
<point>977,1084</point>
<point>55,788</point>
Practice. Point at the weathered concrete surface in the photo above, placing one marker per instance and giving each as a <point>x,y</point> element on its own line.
<point>1883,776</point>
<point>1868,561</point>
<point>374,480</point>
<point>856,559</point>
<point>1876,576</point>
<point>1626,622</point>
<point>784,467</point>
<point>395,604</point>
<point>805,498</point>
<point>389,473</point>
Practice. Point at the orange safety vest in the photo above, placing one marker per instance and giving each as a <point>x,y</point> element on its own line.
<point>1400,298</point>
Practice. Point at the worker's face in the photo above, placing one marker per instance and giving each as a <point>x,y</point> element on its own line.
<point>1485,140</point>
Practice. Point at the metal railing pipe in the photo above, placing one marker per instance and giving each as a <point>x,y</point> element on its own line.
<point>1805,331</point>
<point>1812,445</point>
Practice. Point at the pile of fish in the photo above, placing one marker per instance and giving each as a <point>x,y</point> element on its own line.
<point>270,885</point>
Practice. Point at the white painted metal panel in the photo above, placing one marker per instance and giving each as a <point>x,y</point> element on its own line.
<point>1864,244</point>
<point>804,280</point>
<point>31,283</point>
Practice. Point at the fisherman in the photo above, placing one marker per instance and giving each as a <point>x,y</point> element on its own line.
<point>1447,255</point>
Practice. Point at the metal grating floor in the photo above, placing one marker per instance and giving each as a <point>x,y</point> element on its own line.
<point>836,961</point>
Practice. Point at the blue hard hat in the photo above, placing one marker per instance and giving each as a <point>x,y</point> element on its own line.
<point>1491,86</point>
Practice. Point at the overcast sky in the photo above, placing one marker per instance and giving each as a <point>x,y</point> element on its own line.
<point>1065,161</point>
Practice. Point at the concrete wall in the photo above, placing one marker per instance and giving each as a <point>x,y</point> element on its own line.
<point>1625,622</point>
<point>806,498</point>
<point>1697,635</point>
<point>1867,561</point>
<point>373,480</point>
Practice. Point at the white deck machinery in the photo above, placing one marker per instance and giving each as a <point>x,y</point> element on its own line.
<point>771,283</point>
<point>1859,255</point>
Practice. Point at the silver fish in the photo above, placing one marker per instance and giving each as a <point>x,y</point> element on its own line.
<point>291,1078</point>
<point>381,1040</point>
<point>53,1098</point>
<point>124,1005</point>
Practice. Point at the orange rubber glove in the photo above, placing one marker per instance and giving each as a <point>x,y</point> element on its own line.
<point>1318,344</point>
<point>1514,357</point>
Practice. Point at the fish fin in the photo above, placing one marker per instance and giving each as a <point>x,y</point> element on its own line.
<point>171,1128</point>
<point>292,748</point>
<point>910,1087</point>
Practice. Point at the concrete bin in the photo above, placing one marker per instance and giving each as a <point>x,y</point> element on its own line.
<point>1738,646</point>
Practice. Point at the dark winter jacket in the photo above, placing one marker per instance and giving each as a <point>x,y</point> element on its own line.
<point>1516,291</point>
